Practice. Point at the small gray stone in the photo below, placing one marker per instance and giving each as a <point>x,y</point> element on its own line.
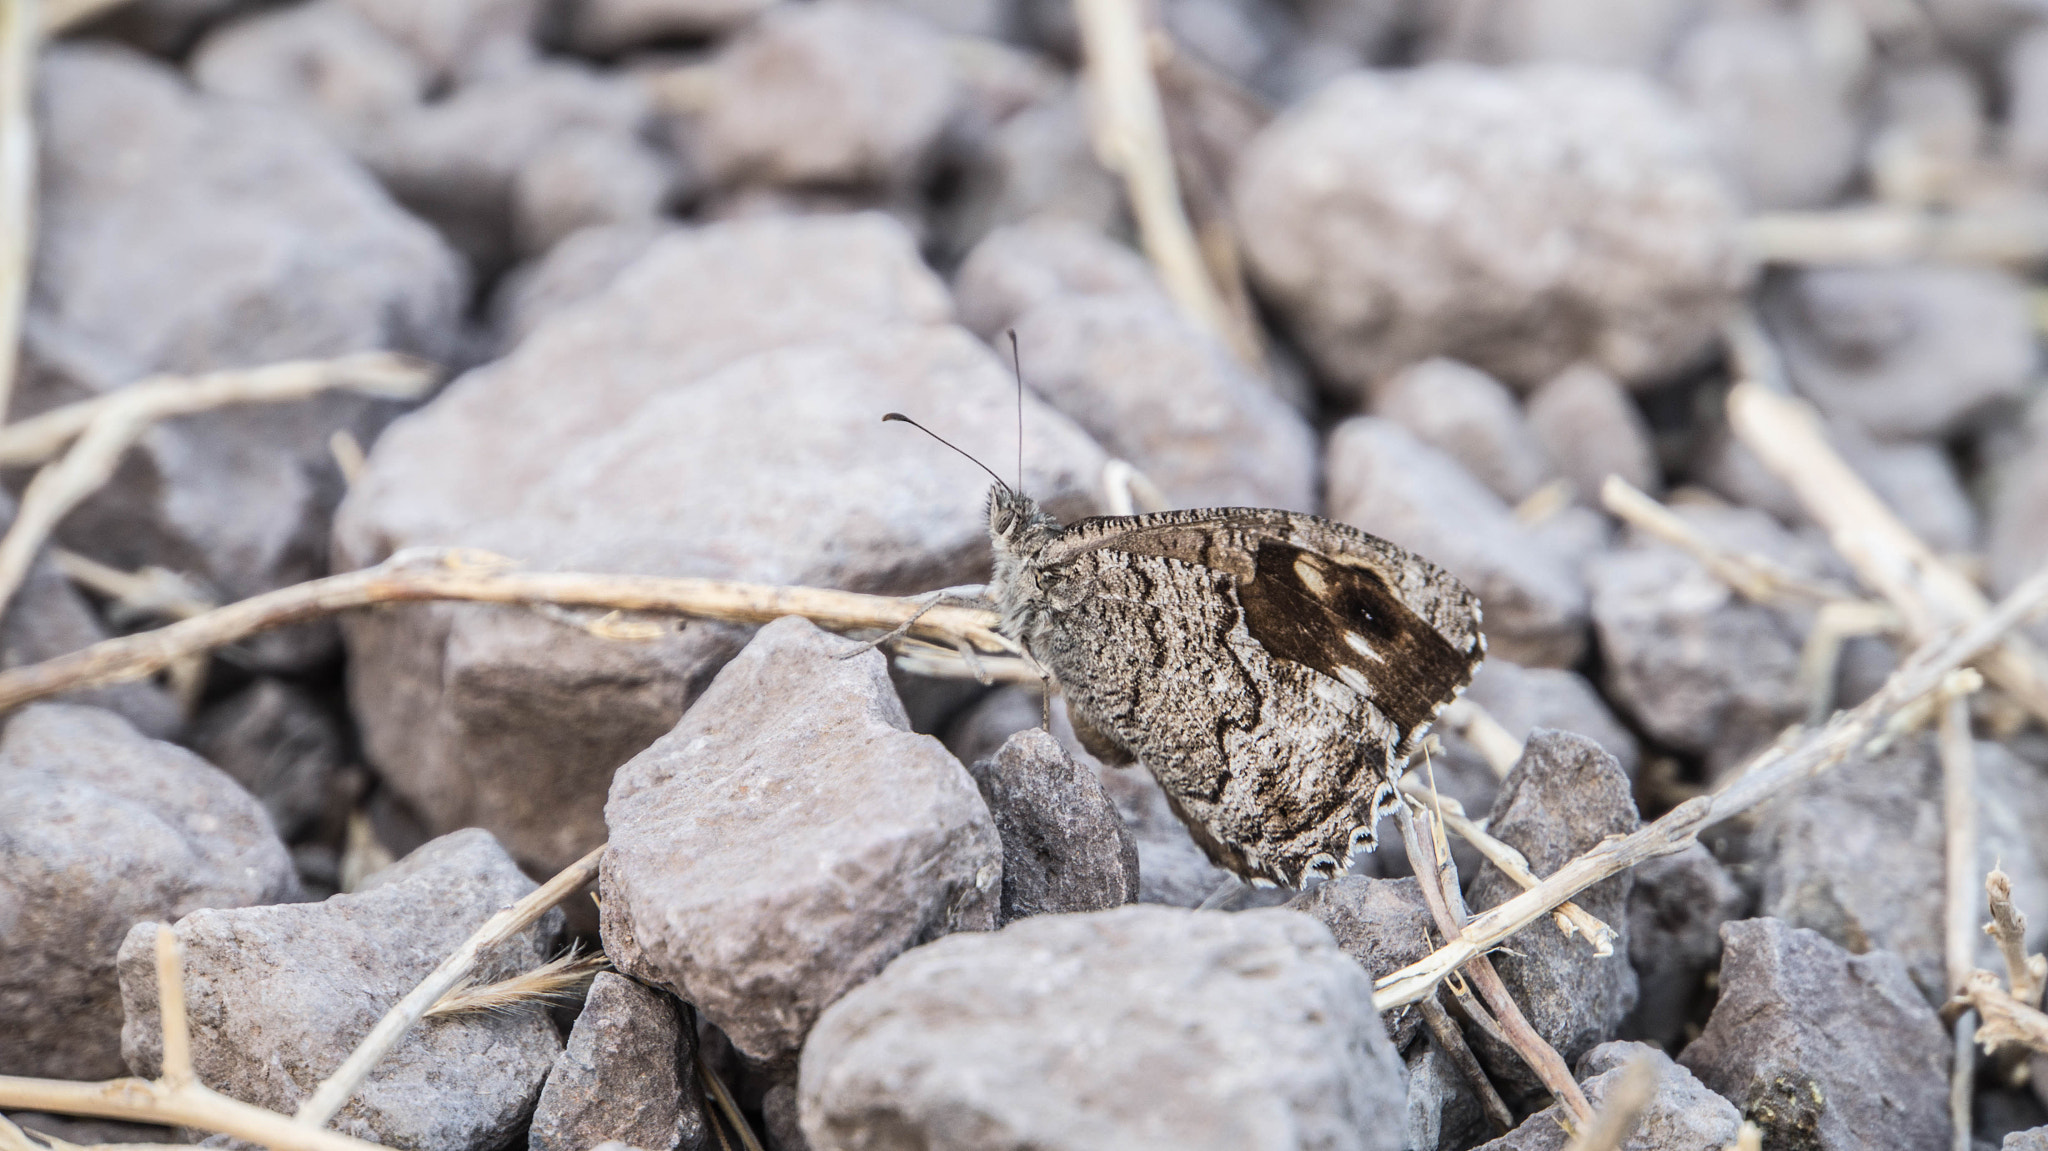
<point>1140,1028</point>
<point>1591,429</point>
<point>981,728</point>
<point>588,177</point>
<point>278,996</point>
<point>1158,391</point>
<point>1918,480</point>
<point>1064,846</point>
<point>1564,797</point>
<point>2035,1139</point>
<point>1862,343</point>
<point>280,744</point>
<point>1675,912</point>
<point>1682,1115</point>
<point>628,1073</point>
<point>1020,266</point>
<point>780,1120</point>
<point>576,268</point>
<point>1471,417</point>
<point>1522,699</point>
<point>2017,535</point>
<point>1037,165</point>
<point>324,60</point>
<point>1384,480</point>
<point>1625,257</point>
<point>460,41</point>
<point>101,827</point>
<point>1822,1048</point>
<point>1443,1111</point>
<point>1383,924</point>
<point>788,839</point>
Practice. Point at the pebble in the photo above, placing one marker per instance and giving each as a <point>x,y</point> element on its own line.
<point>278,996</point>
<point>827,839</point>
<point>1020,266</point>
<point>1590,429</point>
<point>1382,479</point>
<point>1381,923</point>
<point>1358,211</point>
<point>1682,1115</point>
<point>324,60</point>
<point>628,1074</point>
<point>1675,911</point>
<point>1139,1028</point>
<point>1822,1048</point>
<point>1037,166</point>
<point>102,827</point>
<point>1471,417</point>
<point>1064,846</point>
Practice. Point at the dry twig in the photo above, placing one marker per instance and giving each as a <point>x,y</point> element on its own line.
<point>1959,821</point>
<point>2005,1019</point>
<point>1624,1107</point>
<point>20,31</point>
<point>176,1097</point>
<point>335,1091</point>
<point>1771,772</point>
<point>2014,234</point>
<point>726,1105</point>
<point>1476,726</point>
<point>2026,974</point>
<point>556,981</point>
<point>1451,1042</point>
<point>1753,577</point>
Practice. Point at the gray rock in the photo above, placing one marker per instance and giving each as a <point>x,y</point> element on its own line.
<point>279,743</point>
<point>588,177</point>
<point>1471,417</point>
<point>627,1074</point>
<point>1629,270</point>
<point>605,27</point>
<point>575,268</point>
<point>982,727</point>
<point>1777,100</point>
<point>1932,134</point>
<point>1918,480</point>
<point>1847,854</point>
<point>282,248</point>
<point>1156,390</point>
<point>1822,1048</point>
<point>1020,266</point>
<point>1565,796</point>
<point>1383,924</point>
<point>323,59</point>
<point>1694,664</point>
<point>788,839</point>
<point>101,827</point>
<point>278,996</point>
<point>2035,1139</point>
<point>1591,429</point>
<point>2026,87</point>
<point>1141,1027</point>
<point>1037,165</point>
<point>841,93</point>
<point>1064,846</point>
<point>1522,699</point>
<point>1862,342</point>
<point>1675,912</point>
<point>1632,34</point>
<point>162,27</point>
<point>1682,1114</point>
<point>780,1120</point>
<point>460,41</point>
<point>2016,543</point>
<point>1443,1112</point>
<point>1382,479</point>
<point>514,721</point>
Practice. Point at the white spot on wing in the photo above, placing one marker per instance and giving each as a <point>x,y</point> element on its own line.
<point>1356,681</point>
<point>1357,643</point>
<point>1310,575</point>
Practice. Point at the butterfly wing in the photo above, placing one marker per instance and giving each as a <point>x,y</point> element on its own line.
<point>1293,664</point>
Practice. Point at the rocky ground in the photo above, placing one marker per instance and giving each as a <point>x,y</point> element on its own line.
<point>674,259</point>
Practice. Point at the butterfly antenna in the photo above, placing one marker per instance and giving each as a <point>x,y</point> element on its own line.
<point>899,417</point>
<point>1017,365</point>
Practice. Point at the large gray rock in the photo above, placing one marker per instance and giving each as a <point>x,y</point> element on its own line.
<point>102,827</point>
<point>578,267</point>
<point>1563,798</point>
<point>1064,846</point>
<point>182,233</point>
<point>1675,912</point>
<point>1137,1028</point>
<point>628,1074</point>
<point>1682,1115</point>
<point>1822,1048</point>
<point>1471,417</point>
<point>514,721</point>
<point>788,839</point>
<point>278,996</point>
<point>1384,480</point>
<point>1383,924</point>
<point>1359,212</point>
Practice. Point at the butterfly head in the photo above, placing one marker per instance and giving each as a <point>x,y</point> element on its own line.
<point>1016,524</point>
<point>1018,531</point>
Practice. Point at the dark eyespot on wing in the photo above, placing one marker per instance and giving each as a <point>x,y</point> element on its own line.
<point>1347,623</point>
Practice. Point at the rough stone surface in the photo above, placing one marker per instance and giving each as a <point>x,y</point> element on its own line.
<point>1822,1048</point>
<point>1694,664</point>
<point>574,269</point>
<point>1384,480</point>
<point>101,827</point>
<point>1681,1116</point>
<point>840,93</point>
<point>627,1074</point>
<point>819,839</point>
<point>1675,912</point>
<point>279,995</point>
<point>1633,34</point>
<point>1360,213</point>
<point>512,721</point>
<point>1443,1113</point>
<point>1036,165</point>
<point>1156,390</point>
<point>1020,266</point>
<point>1522,699</point>
<point>1862,343</point>
<point>1064,846</point>
<point>1565,796</point>
<point>1471,417</point>
<point>2033,1139</point>
<point>1848,853</point>
<point>184,233</point>
<point>324,60</point>
<point>460,41</point>
<point>280,744</point>
<point>1383,924</point>
<point>1591,429</point>
<point>1138,1028</point>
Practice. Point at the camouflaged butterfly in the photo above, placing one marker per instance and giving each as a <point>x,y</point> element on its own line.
<point>1274,671</point>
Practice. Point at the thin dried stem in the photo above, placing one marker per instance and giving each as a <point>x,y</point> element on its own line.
<point>2006,1020</point>
<point>1439,882</point>
<point>1476,726</point>
<point>2026,974</point>
<point>1451,1042</point>
<point>726,1105</point>
<point>1929,594</point>
<point>1959,823</point>
<point>334,1092</point>
<point>1130,140</point>
<point>1771,772</point>
<point>1624,1107</point>
<point>1820,657</point>
<point>467,576</point>
<point>2017,234</point>
<point>1570,917</point>
<point>170,997</point>
<point>1752,577</point>
<point>20,31</point>
<point>152,591</point>
<point>553,982</point>
<point>1962,1078</point>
